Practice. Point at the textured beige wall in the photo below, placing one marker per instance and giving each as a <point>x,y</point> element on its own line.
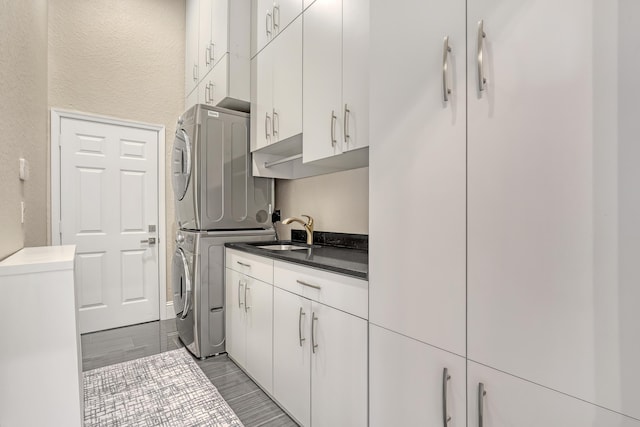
<point>23,124</point>
<point>338,202</point>
<point>120,58</point>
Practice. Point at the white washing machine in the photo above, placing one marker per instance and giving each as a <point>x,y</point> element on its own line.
<point>198,286</point>
<point>211,173</point>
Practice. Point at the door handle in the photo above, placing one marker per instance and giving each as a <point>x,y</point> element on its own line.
<point>151,241</point>
<point>240,286</point>
<point>302,313</point>
<point>481,394</point>
<point>313,333</point>
<point>445,411</point>
<point>446,90</point>
<point>346,124</point>
<point>333,128</point>
<point>482,81</point>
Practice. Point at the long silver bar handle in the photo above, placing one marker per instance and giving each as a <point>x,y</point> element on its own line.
<point>207,94</point>
<point>446,90</point>
<point>482,81</point>
<point>276,123</point>
<point>212,52</point>
<point>276,23</point>
<point>212,86</point>
<point>302,313</point>
<point>267,126</point>
<point>333,128</point>
<point>481,394</point>
<point>268,23</point>
<point>244,264</point>
<point>240,285</point>
<point>346,123</point>
<point>207,55</point>
<point>195,72</point>
<point>308,284</point>
<point>313,333</point>
<point>246,304</point>
<point>445,411</point>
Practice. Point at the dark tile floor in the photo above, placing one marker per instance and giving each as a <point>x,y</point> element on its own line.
<point>250,403</point>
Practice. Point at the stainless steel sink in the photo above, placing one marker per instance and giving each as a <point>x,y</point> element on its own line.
<point>282,247</point>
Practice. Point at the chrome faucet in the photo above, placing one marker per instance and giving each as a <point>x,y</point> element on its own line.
<point>308,226</point>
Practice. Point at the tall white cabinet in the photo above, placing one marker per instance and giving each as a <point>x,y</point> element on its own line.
<point>513,203</point>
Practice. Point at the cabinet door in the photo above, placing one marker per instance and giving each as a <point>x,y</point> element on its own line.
<point>292,354</point>
<point>552,191</point>
<point>235,284</point>
<point>262,102</point>
<point>287,82</point>
<point>191,99</point>
<point>259,306</point>
<point>220,84</point>
<point>417,168</point>
<point>406,382</point>
<point>205,63</point>
<point>264,23</point>
<point>191,46</point>
<point>322,80</point>
<point>355,74</point>
<point>284,12</point>
<point>511,401</point>
<point>338,368</point>
<point>219,29</point>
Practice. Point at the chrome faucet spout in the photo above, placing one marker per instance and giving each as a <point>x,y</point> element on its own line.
<point>308,226</point>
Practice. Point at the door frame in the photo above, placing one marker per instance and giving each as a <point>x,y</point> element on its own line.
<point>56,117</point>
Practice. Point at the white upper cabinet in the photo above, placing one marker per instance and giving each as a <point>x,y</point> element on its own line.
<point>417,167</point>
<point>277,106</point>
<point>322,80</point>
<point>217,53</point>
<point>553,204</point>
<point>511,401</point>
<point>271,17</point>
<point>191,46</point>
<point>335,78</point>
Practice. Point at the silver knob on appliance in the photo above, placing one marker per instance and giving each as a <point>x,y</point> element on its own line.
<point>179,238</point>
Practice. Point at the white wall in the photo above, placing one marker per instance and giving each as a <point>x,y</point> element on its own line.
<point>23,123</point>
<point>338,202</point>
<point>120,58</point>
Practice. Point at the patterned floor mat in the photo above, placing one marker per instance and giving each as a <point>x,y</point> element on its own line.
<point>167,389</point>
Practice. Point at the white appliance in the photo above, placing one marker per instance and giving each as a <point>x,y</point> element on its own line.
<point>211,173</point>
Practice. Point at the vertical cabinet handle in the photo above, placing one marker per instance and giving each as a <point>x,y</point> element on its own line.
<point>482,81</point>
<point>313,333</point>
<point>268,23</point>
<point>207,94</point>
<point>445,411</point>
<point>246,304</point>
<point>481,394</point>
<point>446,90</point>
<point>267,128</point>
<point>302,313</point>
<point>276,18</point>
<point>240,286</point>
<point>333,128</point>
<point>195,72</point>
<point>207,55</point>
<point>276,123</point>
<point>212,56</point>
<point>211,90</point>
<point>346,123</point>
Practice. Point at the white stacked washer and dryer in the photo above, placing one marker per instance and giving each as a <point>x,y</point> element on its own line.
<point>217,201</point>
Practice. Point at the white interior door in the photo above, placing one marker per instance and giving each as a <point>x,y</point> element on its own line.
<point>108,207</point>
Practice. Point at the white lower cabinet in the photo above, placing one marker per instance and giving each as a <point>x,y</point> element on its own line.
<point>319,354</point>
<point>407,382</point>
<point>338,368</point>
<point>292,354</point>
<point>249,328</point>
<point>509,401</point>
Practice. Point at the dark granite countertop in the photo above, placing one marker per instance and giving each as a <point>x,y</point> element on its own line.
<point>342,260</point>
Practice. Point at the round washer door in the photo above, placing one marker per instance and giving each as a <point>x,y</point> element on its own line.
<point>181,284</point>
<point>181,163</point>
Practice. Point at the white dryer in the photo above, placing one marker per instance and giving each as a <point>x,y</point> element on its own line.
<point>211,173</point>
<point>198,286</point>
